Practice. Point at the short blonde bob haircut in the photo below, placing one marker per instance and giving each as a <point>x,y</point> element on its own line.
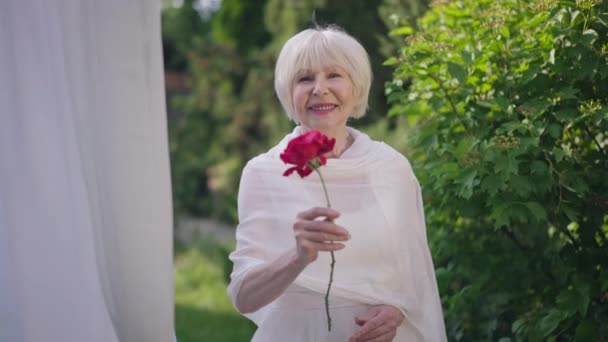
<point>323,47</point>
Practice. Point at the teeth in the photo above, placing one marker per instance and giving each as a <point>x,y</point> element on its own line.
<point>324,107</point>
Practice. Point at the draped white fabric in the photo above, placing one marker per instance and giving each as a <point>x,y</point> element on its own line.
<point>85,205</point>
<point>386,261</point>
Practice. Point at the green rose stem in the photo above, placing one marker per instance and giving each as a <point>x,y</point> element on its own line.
<point>315,166</point>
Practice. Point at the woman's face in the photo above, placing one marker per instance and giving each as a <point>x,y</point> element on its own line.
<point>323,98</point>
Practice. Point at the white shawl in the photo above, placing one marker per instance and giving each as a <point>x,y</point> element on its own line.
<point>386,261</point>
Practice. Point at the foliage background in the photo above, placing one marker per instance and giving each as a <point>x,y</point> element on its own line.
<point>500,106</point>
<point>508,102</point>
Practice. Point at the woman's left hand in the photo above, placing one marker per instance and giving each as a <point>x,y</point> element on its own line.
<point>378,325</point>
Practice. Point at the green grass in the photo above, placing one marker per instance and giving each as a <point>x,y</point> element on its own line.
<point>203,311</point>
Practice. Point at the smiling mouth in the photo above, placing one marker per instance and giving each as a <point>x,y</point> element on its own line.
<point>322,109</point>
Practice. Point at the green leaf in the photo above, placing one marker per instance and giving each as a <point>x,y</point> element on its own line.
<point>493,184</point>
<point>518,325</point>
<point>500,215</point>
<point>402,31</point>
<point>566,114</point>
<point>575,15</point>
<point>555,130</point>
<point>457,71</point>
<point>539,167</point>
<point>468,182</point>
<point>585,331</point>
<point>540,214</point>
<point>507,165</point>
<point>550,322</point>
<point>568,301</point>
<point>570,212</point>
<point>604,280</point>
<point>467,56</point>
<point>568,93</point>
<point>558,154</point>
<point>589,37</point>
<point>583,305</point>
<point>520,185</point>
<point>390,61</point>
<point>583,290</point>
<point>465,146</point>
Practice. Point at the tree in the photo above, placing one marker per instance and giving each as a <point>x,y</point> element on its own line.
<point>509,137</point>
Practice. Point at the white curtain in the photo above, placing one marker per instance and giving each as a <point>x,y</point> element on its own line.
<point>85,204</point>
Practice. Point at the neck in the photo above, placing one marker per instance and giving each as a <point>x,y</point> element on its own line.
<point>343,140</point>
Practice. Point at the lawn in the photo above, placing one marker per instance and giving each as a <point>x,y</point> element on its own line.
<point>203,311</point>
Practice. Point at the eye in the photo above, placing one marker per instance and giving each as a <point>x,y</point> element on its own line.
<point>304,78</point>
<point>334,75</point>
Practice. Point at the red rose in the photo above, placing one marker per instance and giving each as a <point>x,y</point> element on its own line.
<point>307,152</point>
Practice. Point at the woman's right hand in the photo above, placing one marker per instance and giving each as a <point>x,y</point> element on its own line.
<point>315,231</point>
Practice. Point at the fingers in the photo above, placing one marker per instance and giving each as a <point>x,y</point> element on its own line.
<point>380,333</point>
<point>322,246</point>
<point>321,237</point>
<point>360,321</point>
<point>382,338</point>
<point>313,235</point>
<point>370,329</point>
<point>314,213</point>
<point>320,226</point>
<point>380,324</point>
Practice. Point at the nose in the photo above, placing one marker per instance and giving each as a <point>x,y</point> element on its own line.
<point>320,87</point>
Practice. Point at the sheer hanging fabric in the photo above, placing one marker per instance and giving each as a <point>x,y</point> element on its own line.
<point>85,205</point>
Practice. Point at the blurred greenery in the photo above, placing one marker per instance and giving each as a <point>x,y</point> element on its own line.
<point>203,311</point>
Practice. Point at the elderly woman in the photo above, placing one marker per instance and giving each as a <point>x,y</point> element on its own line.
<point>384,286</point>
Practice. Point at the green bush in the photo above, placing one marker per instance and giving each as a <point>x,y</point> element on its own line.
<point>507,105</point>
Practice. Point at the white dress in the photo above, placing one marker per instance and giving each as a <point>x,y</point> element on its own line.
<point>299,315</point>
<point>386,261</point>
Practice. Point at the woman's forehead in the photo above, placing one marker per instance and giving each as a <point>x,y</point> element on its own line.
<point>320,67</point>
